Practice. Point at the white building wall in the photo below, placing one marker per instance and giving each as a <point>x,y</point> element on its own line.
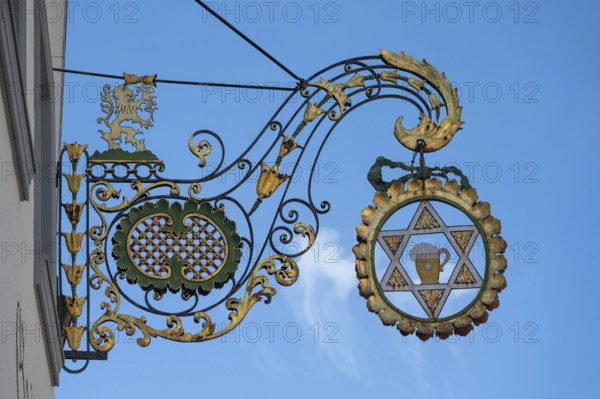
<point>25,363</point>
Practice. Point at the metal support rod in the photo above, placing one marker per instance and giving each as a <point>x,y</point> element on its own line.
<point>86,355</point>
<point>249,41</point>
<point>179,82</point>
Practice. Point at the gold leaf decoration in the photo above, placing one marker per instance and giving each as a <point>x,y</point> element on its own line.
<point>202,150</point>
<point>335,90</point>
<point>393,242</point>
<point>73,241</point>
<point>73,212</point>
<point>287,145</point>
<point>75,151</point>
<point>270,179</point>
<point>73,273</point>
<point>396,279</point>
<point>462,238</point>
<point>416,84</point>
<point>426,221</point>
<point>465,276</point>
<point>102,338</point>
<point>434,135</point>
<point>356,81</point>
<point>74,305</point>
<point>390,76</point>
<point>311,113</point>
<point>131,79</point>
<point>74,335</point>
<point>435,101</point>
<point>432,298</point>
<point>73,181</point>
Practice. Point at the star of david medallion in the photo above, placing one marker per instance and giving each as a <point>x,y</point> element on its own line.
<point>429,258</point>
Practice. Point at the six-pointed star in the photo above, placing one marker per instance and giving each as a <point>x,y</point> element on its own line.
<point>432,297</point>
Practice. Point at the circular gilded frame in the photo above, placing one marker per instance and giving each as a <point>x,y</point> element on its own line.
<point>466,201</point>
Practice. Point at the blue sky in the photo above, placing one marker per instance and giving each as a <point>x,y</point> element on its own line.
<point>525,71</point>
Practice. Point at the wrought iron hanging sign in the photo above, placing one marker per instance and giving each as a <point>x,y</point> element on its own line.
<point>166,259</point>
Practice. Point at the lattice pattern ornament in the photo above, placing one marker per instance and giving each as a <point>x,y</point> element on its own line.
<point>203,247</point>
<point>164,245</point>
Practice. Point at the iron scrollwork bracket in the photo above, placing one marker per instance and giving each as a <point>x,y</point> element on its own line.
<point>147,237</point>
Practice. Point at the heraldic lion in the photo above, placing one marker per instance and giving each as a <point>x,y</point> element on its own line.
<point>123,103</point>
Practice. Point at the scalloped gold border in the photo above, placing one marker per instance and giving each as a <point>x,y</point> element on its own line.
<point>466,200</point>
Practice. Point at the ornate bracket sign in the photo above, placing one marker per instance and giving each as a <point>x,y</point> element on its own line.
<point>167,261</point>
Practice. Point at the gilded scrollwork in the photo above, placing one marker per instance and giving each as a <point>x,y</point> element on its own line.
<point>201,150</point>
<point>336,91</point>
<point>193,190</point>
<point>306,231</point>
<point>435,135</point>
<point>103,191</point>
<point>103,339</point>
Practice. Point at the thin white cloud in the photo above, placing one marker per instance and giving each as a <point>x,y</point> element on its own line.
<point>457,354</point>
<point>327,278</point>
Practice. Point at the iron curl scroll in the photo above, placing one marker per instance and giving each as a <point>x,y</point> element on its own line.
<point>328,97</point>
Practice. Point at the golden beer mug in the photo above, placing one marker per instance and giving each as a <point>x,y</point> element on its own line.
<point>427,261</point>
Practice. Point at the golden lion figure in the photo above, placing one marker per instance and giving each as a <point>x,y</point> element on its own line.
<point>126,107</point>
